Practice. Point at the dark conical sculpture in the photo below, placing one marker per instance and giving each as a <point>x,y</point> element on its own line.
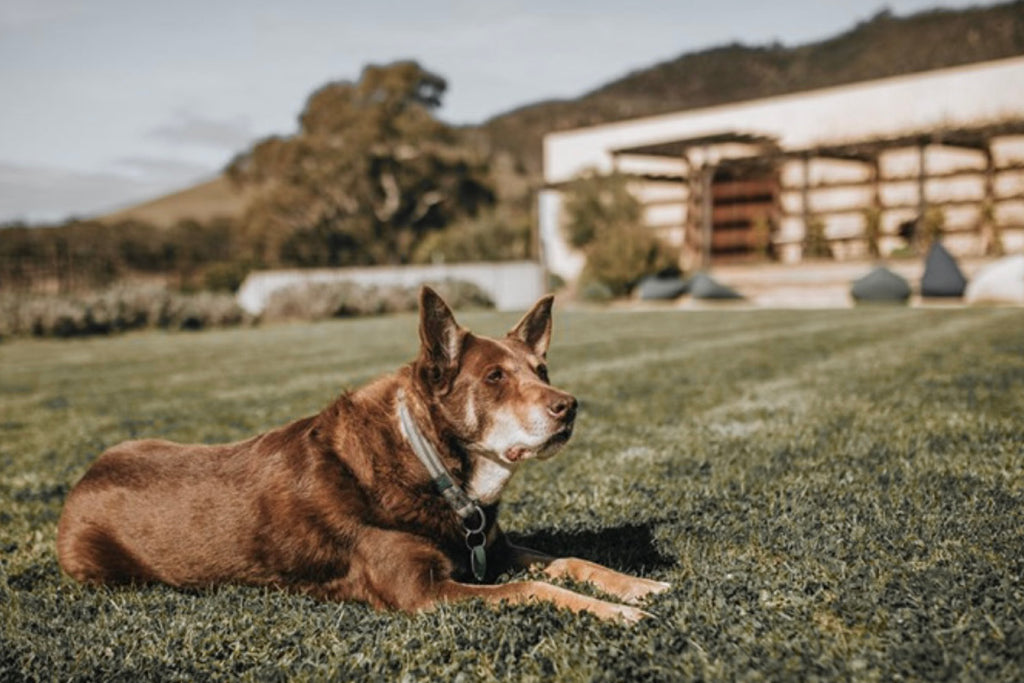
<point>655,288</point>
<point>703,286</point>
<point>881,285</point>
<point>942,276</point>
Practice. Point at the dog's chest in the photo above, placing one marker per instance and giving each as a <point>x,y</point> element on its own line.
<point>488,480</point>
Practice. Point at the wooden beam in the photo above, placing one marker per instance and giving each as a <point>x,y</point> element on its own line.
<point>691,228</point>
<point>910,206</point>
<point>707,213</point>
<point>922,194</point>
<point>805,193</point>
<point>990,240</point>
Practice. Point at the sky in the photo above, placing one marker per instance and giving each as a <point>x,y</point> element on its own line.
<point>106,103</point>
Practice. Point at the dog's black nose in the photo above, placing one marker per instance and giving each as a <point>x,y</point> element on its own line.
<point>564,408</point>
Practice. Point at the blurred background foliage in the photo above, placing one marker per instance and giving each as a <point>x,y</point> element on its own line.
<point>373,176</point>
<point>369,175</point>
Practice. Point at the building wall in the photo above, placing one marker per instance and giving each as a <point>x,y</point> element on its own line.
<point>974,95</point>
<point>980,93</point>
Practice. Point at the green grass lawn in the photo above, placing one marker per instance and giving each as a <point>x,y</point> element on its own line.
<point>832,494</point>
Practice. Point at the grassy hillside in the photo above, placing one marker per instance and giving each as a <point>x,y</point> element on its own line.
<point>832,494</point>
<point>884,46</point>
<point>204,202</point>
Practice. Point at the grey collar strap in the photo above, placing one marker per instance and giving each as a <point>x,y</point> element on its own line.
<point>469,511</point>
<point>465,507</point>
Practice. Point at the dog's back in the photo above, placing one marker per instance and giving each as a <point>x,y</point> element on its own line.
<point>181,514</point>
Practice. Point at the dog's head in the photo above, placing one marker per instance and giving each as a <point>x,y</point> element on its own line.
<point>493,394</point>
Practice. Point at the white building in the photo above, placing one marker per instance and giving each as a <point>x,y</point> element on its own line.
<point>733,182</point>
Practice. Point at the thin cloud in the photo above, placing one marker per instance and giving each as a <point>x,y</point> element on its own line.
<point>199,131</point>
<point>155,169</point>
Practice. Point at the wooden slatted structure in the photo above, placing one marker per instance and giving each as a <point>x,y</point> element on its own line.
<point>734,183</point>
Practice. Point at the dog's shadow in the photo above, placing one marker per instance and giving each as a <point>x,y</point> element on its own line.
<point>629,548</point>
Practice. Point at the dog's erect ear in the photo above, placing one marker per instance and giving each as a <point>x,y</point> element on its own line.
<point>534,329</point>
<point>440,336</point>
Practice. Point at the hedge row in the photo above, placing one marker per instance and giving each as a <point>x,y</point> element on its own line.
<point>115,310</point>
<point>322,300</point>
<point>127,308</point>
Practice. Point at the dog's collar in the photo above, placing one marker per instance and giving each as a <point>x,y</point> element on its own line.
<point>469,511</point>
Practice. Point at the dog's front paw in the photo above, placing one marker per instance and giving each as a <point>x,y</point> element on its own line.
<point>627,614</point>
<point>641,589</point>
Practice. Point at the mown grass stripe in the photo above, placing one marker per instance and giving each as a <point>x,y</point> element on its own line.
<point>833,494</point>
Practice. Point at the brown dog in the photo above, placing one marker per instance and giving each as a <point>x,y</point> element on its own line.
<point>389,495</point>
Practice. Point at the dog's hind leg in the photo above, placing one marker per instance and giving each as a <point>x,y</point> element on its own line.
<point>389,570</point>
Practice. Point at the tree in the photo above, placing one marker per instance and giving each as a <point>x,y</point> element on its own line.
<point>596,204</point>
<point>370,173</point>
<point>491,236</point>
<point>604,220</point>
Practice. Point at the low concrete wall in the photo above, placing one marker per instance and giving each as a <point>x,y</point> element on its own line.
<point>512,285</point>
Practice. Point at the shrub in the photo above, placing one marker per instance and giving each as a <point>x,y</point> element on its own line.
<point>603,219</point>
<point>762,235</point>
<point>621,257</point>
<point>54,317</point>
<point>314,301</point>
<point>873,231</point>
<point>596,292</point>
<point>80,254</point>
<point>987,216</point>
<point>321,300</point>
<point>114,310</point>
<point>555,281</point>
<point>8,315</point>
<point>932,225</point>
<point>597,203</point>
<point>459,294</point>
<point>207,309</point>
<point>489,237</point>
<point>225,276</point>
<point>816,243</point>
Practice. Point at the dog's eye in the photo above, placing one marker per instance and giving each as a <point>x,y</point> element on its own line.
<point>542,372</point>
<point>495,376</point>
